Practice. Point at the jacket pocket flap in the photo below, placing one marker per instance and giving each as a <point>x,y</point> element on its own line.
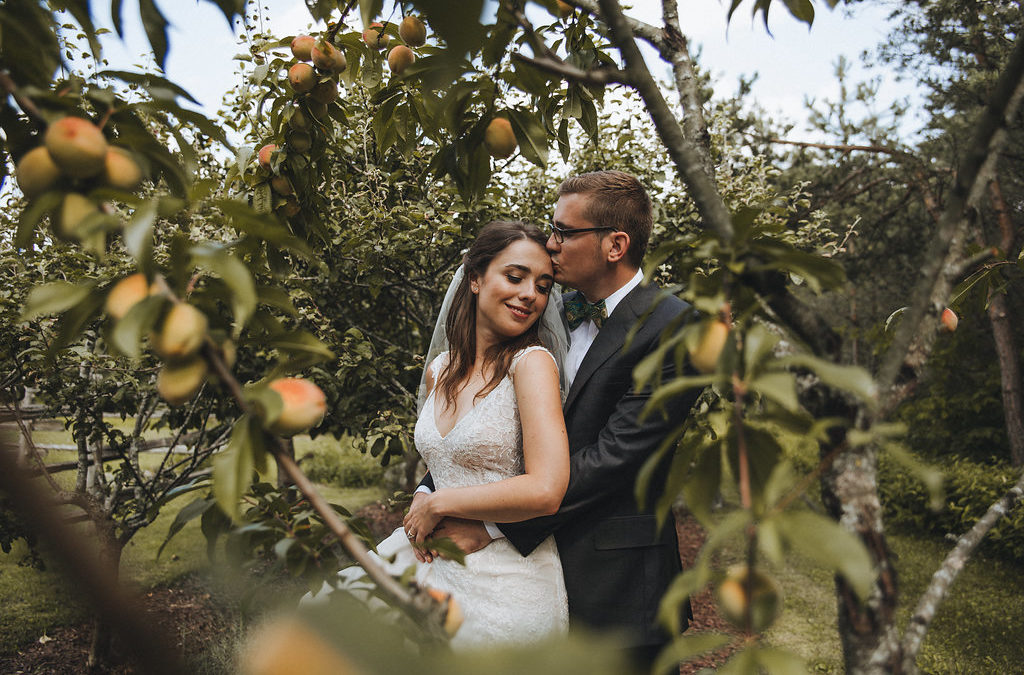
<point>626,532</point>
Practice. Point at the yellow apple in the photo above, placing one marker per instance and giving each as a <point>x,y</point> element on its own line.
<point>182,332</point>
<point>763,598</point>
<point>704,356</point>
<point>121,171</point>
<point>178,383</point>
<point>375,37</point>
<point>412,31</point>
<point>499,138</point>
<point>37,172</point>
<point>400,58</point>
<point>301,77</point>
<point>302,46</point>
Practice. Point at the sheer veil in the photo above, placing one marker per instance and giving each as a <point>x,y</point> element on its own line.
<point>553,335</point>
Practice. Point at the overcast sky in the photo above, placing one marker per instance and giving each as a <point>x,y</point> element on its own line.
<point>794,63</point>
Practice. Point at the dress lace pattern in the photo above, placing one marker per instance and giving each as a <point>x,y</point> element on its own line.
<point>505,596</point>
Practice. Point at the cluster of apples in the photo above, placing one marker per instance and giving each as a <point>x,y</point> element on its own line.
<point>75,157</point>
<point>413,34</point>
<point>178,339</point>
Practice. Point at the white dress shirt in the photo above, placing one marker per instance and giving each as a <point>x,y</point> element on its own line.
<point>581,338</point>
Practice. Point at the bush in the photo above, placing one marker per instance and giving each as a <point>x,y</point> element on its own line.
<point>971,487</point>
<point>341,465</point>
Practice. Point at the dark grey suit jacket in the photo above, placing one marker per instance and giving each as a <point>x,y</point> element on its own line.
<point>617,565</point>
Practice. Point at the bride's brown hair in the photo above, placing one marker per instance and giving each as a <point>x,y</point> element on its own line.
<point>460,325</point>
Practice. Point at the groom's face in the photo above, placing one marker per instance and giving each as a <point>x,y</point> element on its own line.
<point>580,259</point>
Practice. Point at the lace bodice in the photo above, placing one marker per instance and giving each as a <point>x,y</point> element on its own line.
<point>485,445</point>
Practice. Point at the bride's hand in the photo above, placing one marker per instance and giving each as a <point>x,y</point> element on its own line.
<point>422,518</point>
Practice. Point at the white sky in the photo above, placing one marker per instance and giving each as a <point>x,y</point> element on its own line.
<point>793,64</point>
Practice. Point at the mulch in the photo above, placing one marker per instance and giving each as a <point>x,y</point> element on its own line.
<point>188,614</point>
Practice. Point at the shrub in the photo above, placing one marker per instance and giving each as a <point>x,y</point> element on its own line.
<point>971,487</point>
<point>342,466</point>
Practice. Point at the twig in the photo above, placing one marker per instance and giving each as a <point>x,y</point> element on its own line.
<point>947,573</point>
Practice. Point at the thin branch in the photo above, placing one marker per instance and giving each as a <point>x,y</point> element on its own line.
<point>682,150</point>
<point>559,67</point>
<point>947,573</point>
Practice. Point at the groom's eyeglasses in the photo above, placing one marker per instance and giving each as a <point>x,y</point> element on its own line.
<point>560,233</point>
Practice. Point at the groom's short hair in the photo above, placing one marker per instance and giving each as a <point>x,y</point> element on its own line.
<point>617,199</point>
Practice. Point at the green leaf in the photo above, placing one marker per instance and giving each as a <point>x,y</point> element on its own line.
<point>188,513</point>
<point>31,216</point>
<point>685,647</point>
<point>147,80</point>
<point>236,275</point>
<point>705,479</point>
<point>138,234</point>
<point>676,387</point>
<point>533,140</point>
<point>156,30</point>
<point>685,584</point>
<point>930,476</point>
<point>852,379</point>
<point>779,387</point>
<point>826,542</point>
<point>802,10</point>
<point>233,468</point>
<point>369,9</point>
<point>127,334</point>
<point>54,298</point>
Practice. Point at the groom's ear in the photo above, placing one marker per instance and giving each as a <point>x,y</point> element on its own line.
<point>617,244</point>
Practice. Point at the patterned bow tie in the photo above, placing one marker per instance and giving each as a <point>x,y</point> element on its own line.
<point>578,310</point>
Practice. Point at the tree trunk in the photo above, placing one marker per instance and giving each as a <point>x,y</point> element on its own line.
<point>1009,375</point>
<point>1002,333</point>
<point>867,630</point>
<point>110,557</point>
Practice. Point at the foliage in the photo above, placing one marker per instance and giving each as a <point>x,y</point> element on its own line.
<point>341,467</point>
<point>970,488</point>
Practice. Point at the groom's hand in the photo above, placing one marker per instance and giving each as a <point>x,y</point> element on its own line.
<point>468,535</point>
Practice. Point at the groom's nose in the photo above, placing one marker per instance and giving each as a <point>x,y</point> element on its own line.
<point>551,244</point>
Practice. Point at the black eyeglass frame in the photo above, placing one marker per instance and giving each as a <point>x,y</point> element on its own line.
<point>560,233</point>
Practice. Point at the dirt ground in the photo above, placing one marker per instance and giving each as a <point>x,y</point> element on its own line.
<point>187,613</point>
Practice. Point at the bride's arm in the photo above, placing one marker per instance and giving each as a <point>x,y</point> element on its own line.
<point>536,492</point>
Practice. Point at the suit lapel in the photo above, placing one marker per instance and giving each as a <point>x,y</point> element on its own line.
<point>610,338</point>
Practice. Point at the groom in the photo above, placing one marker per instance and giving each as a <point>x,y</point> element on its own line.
<point>616,563</point>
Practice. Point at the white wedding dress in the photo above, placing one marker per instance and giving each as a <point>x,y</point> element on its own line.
<point>506,597</point>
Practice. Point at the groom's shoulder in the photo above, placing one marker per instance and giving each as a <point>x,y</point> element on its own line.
<point>662,302</point>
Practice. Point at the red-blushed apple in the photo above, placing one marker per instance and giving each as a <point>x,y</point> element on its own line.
<point>949,320</point>
<point>302,46</point>
<point>328,58</point>
<point>74,210</point>
<point>121,171</point>
<point>499,138</point>
<point>127,293</point>
<point>303,405</point>
<point>77,146</point>
<point>704,356</point>
<point>301,77</point>
<point>263,156</point>
<point>749,603</point>
<point>400,58</point>
<point>375,37</point>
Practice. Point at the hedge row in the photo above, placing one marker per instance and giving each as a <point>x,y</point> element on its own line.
<point>970,489</point>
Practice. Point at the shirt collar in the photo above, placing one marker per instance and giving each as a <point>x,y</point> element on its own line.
<point>615,298</point>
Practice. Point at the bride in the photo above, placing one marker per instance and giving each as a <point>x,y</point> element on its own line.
<point>492,435</point>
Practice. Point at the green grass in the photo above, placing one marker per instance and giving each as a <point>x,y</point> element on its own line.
<point>38,602</point>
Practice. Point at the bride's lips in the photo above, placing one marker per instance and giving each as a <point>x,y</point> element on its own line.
<point>519,312</point>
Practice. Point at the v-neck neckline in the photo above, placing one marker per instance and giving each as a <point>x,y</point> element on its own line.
<point>434,411</point>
